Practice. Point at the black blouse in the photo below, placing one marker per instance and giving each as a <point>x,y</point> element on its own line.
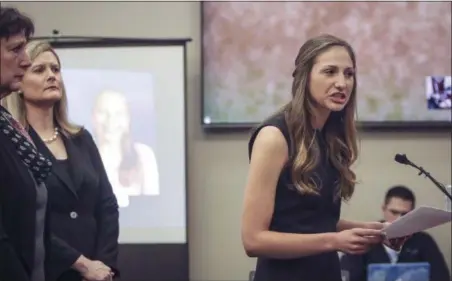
<point>304,214</point>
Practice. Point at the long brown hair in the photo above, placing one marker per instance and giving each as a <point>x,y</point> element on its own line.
<point>131,166</point>
<point>340,130</point>
<point>16,105</point>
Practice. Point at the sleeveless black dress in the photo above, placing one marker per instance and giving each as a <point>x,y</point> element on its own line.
<point>304,214</point>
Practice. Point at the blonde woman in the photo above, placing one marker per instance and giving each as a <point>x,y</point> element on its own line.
<point>83,208</point>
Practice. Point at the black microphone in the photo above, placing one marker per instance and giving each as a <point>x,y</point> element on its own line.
<point>402,159</point>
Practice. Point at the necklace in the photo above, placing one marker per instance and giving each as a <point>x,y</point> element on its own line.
<point>54,137</point>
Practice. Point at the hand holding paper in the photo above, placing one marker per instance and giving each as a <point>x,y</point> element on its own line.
<point>420,219</point>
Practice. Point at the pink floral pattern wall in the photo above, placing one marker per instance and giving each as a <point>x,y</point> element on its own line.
<point>249,50</point>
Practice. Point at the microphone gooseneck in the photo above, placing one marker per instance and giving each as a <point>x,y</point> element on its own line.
<point>402,159</point>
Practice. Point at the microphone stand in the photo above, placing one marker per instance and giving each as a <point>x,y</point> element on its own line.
<point>427,174</point>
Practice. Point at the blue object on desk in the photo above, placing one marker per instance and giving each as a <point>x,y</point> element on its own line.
<point>399,272</point>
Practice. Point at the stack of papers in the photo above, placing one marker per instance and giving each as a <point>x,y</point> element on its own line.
<point>417,220</point>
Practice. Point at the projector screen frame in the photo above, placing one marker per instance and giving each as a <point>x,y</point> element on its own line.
<point>144,262</point>
<point>365,126</point>
<point>384,126</point>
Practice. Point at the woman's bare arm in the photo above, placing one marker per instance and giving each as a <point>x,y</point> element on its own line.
<point>347,224</point>
<point>269,154</point>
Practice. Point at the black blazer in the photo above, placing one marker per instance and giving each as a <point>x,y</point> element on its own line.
<point>17,219</point>
<point>17,216</point>
<point>419,248</point>
<point>83,207</point>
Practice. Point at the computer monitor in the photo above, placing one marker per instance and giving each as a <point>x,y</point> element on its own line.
<point>399,272</point>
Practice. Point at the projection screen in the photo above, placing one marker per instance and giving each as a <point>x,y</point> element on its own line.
<point>131,99</point>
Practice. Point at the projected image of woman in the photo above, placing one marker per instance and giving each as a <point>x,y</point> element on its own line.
<point>83,209</point>
<point>131,166</point>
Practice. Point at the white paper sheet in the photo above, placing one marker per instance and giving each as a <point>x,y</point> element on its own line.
<point>417,220</point>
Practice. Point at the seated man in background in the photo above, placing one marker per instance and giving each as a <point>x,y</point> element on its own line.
<point>421,247</point>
